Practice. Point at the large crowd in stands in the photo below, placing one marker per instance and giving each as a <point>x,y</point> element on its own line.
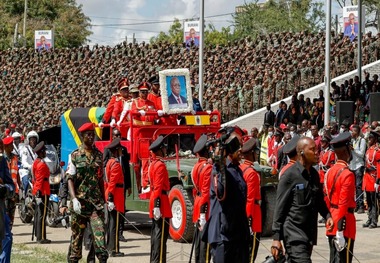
<point>37,87</point>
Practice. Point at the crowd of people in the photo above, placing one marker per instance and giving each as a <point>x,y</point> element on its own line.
<point>38,87</point>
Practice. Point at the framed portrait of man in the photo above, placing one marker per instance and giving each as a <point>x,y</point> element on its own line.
<point>176,91</point>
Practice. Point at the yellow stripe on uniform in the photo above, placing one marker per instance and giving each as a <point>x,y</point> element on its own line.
<point>253,247</point>
<point>117,232</point>
<point>43,236</point>
<point>93,119</point>
<point>71,127</point>
<point>162,238</point>
<point>207,252</point>
<point>348,250</point>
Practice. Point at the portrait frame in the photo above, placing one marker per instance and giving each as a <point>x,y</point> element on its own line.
<point>179,76</point>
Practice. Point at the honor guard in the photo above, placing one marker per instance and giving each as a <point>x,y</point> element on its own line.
<point>121,103</point>
<point>290,151</point>
<point>371,178</point>
<point>154,95</point>
<point>41,192</point>
<point>115,197</point>
<point>201,177</point>
<point>327,156</point>
<point>340,198</point>
<point>251,152</point>
<point>159,206</point>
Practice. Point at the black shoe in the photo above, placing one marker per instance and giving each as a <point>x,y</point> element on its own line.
<point>44,241</point>
<point>371,226</point>
<point>122,239</point>
<point>116,254</point>
<point>360,211</point>
<point>367,224</point>
<point>322,221</point>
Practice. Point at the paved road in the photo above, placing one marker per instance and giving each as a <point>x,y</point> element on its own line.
<point>137,248</point>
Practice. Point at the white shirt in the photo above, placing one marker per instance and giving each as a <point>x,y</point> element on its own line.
<point>358,153</point>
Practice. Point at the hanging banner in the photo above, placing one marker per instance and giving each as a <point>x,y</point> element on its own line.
<point>191,33</point>
<point>351,21</point>
<point>43,40</point>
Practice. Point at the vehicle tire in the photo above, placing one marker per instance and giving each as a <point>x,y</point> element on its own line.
<point>181,225</point>
<point>52,214</point>
<point>24,214</point>
<point>268,196</point>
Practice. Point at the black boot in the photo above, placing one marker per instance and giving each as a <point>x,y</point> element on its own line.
<point>367,224</point>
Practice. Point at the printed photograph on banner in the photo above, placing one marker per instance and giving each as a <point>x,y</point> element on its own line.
<point>43,40</point>
<point>191,33</point>
<point>351,22</point>
<point>176,91</point>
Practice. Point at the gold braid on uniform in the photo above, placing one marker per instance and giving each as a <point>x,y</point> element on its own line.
<point>140,108</point>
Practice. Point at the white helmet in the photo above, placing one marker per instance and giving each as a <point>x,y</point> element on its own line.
<point>32,134</point>
<point>16,135</point>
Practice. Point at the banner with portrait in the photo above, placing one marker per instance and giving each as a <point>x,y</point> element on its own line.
<point>191,33</point>
<point>351,21</point>
<point>43,40</point>
<point>176,91</point>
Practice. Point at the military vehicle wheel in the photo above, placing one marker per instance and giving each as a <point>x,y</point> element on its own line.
<point>181,225</point>
<point>268,196</point>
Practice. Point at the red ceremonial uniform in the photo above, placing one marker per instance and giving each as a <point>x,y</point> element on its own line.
<point>201,176</point>
<point>115,185</point>
<point>110,107</point>
<point>340,190</point>
<point>372,165</point>
<point>253,209</point>
<point>118,107</point>
<point>145,105</point>
<point>286,167</point>
<point>160,186</point>
<point>156,99</point>
<point>271,141</point>
<point>41,177</point>
<point>327,158</point>
<point>13,168</point>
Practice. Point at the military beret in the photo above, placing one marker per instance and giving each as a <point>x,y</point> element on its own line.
<point>249,145</point>
<point>290,147</point>
<point>8,140</point>
<point>157,144</point>
<point>88,126</point>
<point>200,144</point>
<point>154,80</point>
<point>341,140</point>
<point>39,147</point>
<point>114,144</point>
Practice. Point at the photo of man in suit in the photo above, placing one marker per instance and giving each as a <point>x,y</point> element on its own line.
<point>352,28</point>
<point>176,100</point>
<point>192,39</point>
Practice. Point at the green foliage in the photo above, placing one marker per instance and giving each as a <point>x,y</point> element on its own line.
<point>64,17</point>
<point>175,35</point>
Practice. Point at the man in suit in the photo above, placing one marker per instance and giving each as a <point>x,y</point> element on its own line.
<point>352,29</point>
<point>269,116</point>
<point>192,40</point>
<point>175,97</point>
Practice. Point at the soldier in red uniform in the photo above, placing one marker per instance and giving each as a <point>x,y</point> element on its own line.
<point>121,105</point>
<point>115,197</point>
<point>12,161</point>
<point>251,152</point>
<point>159,206</point>
<point>201,177</point>
<point>41,192</point>
<point>326,158</point>
<point>154,95</point>
<point>290,151</point>
<point>340,198</point>
<point>277,144</point>
<point>371,178</point>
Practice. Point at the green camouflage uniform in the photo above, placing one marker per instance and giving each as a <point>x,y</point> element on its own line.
<point>87,178</point>
<point>233,103</point>
<point>248,102</point>
<point>257,89</point>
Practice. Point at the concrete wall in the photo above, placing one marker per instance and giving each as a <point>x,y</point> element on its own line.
<point>256,118</point>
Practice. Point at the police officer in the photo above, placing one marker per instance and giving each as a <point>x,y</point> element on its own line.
<point>41,192</point>
<point>299,199</point>
<point>251,152</point>
<point>159,206</point>
<point>372,178</point>
<point>115,197</point>
<point>227,229</point>
<point>201,177</point>
<point>85,183</point>
<point>340,198</point>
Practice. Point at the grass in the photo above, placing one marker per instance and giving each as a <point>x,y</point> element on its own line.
<point>22,254</point>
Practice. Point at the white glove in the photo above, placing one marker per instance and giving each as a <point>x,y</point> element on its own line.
<point>250,231</point>
<point>113,122</point>
<point>119,123</point>
<point>100,124</point>
<point>156,213</point>
<point>111,206</point>
<point>202,220</point>
<point>76,205</point>
<point>160,112</point>
<point>339,241</point>
<point>38,200</point>
<point>376,186</point>
<point>142,113</point>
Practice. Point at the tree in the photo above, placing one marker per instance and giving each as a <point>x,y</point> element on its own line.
<point>278,16</point>
<point>64,17</point>
<point>174,36</point>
